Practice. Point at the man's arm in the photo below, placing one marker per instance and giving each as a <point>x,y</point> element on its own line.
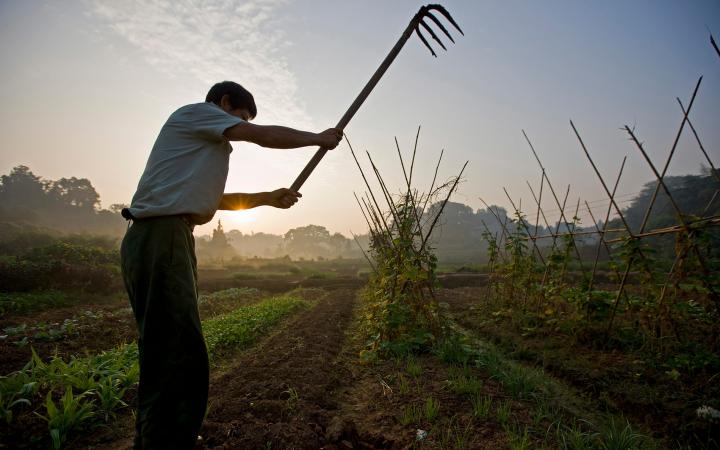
<point>274,136</point>
<point>279,198</point>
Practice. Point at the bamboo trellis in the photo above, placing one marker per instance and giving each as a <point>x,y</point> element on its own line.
<point>686,228</point>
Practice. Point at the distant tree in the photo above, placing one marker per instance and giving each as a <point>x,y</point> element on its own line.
<point>75,192</point>
<point>117,207</point>
<point>340,244</point>
<point>308,241</point>
<point>22,190</point>
<point>692,194</point>
<point>68,204</point>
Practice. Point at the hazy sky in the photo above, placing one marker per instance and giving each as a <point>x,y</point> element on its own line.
<point>85,87</point>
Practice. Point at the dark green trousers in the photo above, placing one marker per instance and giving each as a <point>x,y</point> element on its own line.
<point>160,274</point>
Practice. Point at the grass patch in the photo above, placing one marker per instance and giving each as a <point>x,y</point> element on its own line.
<point>432,409</point>
<point>574,423</point>
<point>411,415</point>
<point>413,368</point>
<point>260,275</point>
<point>27,302</point>
<point>503,412</point>
<point>462,382</point>
<point>227,294</point>
<point>481,406</point>
<point>244,325</point>
<point>315,275</point>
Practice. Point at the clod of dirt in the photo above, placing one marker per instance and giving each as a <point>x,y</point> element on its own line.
<point>340,428</point>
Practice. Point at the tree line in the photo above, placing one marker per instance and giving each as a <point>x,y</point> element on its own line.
<point>72,205</point>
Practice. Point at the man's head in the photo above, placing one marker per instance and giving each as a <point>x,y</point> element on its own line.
<point>233,99</point>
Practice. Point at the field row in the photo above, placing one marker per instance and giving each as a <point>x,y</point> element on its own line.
<point>81,392</point>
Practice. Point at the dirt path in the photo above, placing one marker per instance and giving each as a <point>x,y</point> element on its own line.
<point>281,393</point>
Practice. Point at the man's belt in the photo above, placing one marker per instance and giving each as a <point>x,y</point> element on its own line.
<point>125,212</point>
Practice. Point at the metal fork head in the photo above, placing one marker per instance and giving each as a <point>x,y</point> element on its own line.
<point>426,12</point>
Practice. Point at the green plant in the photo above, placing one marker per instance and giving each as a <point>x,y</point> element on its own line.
<point>110,392</point>
<point>481,406</point>
<point>464,384</point>
<point>453,350</point>
<point>403,384</point>
<point>412,414</point>
<point>617,435</point>
<point>520,381</point>
<point>432,409</point>
<point>72,414</point>
<point>540,412</point>
<point>26,302</point>
<point>518,437</point>
<point>228,294</point>
<point>503,412</point>
<point>401,315</point>
<point>242,326</point>
<point>572,437</point>
<point>413,368</point>
<point>15,390</point>
<point>292,397</point>
<point>452,436</point>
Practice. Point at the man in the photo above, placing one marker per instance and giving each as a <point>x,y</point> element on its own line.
<point>182,186</point>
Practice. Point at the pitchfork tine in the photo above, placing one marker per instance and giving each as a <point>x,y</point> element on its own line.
<point>422,38</point>
<point>444,12</point>
<point>432,33</point>
<point>440,25</point>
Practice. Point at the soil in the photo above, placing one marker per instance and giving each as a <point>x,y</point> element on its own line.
<point>282,392</point>
<point>97,327</point>
<point>303,388</point>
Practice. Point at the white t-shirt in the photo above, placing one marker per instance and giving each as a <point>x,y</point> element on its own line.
<point>188,165</point>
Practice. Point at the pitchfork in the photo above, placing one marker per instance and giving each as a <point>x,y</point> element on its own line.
<point>417,21</point>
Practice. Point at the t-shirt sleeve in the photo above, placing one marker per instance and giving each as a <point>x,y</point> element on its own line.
<point>209,122</point>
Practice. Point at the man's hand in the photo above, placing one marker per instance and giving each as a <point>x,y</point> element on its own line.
<point>282,198</point>
<point>330,138</point>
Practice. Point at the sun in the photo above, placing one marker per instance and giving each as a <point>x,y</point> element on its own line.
<point>236,219</point>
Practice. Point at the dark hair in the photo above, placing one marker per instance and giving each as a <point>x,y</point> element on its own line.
<point>238,95</point>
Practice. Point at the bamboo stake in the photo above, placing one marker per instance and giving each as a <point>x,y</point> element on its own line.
<point>525,226</point>
<point>447,198</point>
<point>669,158</point>
<point>701,260</point>
<point>631,259</point>
<point>715,172</point>
<point>363,252</point>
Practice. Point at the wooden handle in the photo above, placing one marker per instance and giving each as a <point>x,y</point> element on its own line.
<point>315,160</point>
<point>309,167</point>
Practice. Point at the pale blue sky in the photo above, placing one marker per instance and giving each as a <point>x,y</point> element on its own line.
<point>86,86</point>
